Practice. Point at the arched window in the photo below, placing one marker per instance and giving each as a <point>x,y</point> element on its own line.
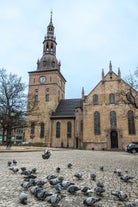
<point>131,122</point>
<point>95,99</point>
<point>112,98</point>
<point>42,126</point>
<point>97,123</point>
<point>113,118</point>
<point>69,129</point>
<point>58,130</point>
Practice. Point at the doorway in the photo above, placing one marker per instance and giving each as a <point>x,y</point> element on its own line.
<point>114,139</point>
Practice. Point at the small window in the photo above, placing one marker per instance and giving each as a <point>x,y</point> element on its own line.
<point>47,97</point>
<point>36,98</point>
<point>111,98</point>
<point>58,130</point>
<point>95,99</point>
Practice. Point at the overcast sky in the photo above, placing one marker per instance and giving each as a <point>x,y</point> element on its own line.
<point>89,33</point>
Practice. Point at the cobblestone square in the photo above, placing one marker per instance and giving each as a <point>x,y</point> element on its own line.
<point>83,161</point>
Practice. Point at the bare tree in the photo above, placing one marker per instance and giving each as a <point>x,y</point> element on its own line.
<point>12,102</point>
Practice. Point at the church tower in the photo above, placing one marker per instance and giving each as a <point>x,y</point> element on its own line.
<point>46,89</point>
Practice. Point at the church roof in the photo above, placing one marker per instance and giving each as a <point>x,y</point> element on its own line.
<point>66,108</point>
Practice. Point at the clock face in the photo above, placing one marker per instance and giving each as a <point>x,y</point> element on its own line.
<point>42,79</point>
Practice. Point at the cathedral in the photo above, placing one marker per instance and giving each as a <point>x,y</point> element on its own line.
<point>100,120</point>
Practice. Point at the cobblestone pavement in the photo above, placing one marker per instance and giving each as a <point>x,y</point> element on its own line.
<point>83,161</point>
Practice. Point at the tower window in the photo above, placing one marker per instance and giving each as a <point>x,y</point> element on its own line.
<point>35,98</point>
<point>32,128</point>
<point>47,97</point>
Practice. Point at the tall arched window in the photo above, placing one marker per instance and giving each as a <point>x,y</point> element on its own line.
<point>131,122</point>
<point>42,126</point>
<point>58,130</point>
<point>69,129</point>
<point>112,98</point>
<point>95,99</point>
<point>113,118</point>
<point>97,129</point>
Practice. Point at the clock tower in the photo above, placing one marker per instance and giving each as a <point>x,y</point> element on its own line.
<point>46,89</point>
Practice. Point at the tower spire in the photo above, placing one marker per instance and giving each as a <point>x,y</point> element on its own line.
<point>110,67</point>
<point>51,16</point>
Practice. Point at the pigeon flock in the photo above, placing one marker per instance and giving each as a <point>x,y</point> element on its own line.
<point>55,187</point>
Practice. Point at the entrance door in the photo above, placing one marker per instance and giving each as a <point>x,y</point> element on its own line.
<point>114,139</point>
<point>77,142</point>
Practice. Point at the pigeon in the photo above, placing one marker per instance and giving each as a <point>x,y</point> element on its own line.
<point>26,184</point>
<point>40,183</point>
<point>23,169</point>
<point>126,178</point>
<point>23,198</point>
<point>78,176</point>
<point>33,170</point>
<point>99,191</point>
<point>58,169</point>
<point>120,195</point>
<point>49,177</point>
<point>9,163</point>
<point>101,168</point>
<point>69,165</point>
<point>118,171</point>
<point>90,201</point>
<point>14,169</point>
<point>54,199</point>
<point>54,181</point>
<point>100,184</point>
<point>46,154</point>
<point>58,187</point>
<point>14,162</point>
<point>41,194</point>
<point>65,184</point>
<point>34,189</point>
<point>86,190</point>
<point>93,176</point>
<point>73,189</point>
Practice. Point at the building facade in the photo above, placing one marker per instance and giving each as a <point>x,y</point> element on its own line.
<point>100,120</point>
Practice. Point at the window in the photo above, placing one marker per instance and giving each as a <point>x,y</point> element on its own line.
<point>131,123</point>
<point>96,123</point>
<point>42,127</point>
<point>36,98</point>
<point>32,128</point>
<point>58,130</point>
<point>47,97</point>
<point>111,98</point>
<point>69,129</point>
<point>95,99</point>
<point>113,118</point>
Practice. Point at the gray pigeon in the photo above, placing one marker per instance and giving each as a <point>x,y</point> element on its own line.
<point>120,195</point>
<point>58,169</point>
<point>66,183</point>
<point>86,190</point>
<point>126,178</point>
<point>100,184</point>
<point>78,176</point>
<point>99,191</point>
<point>58,187</point>
<point>23,198</point>
<point>46,154</point>
<point>73,189</point>
<point>9,163</point>
<point>90,201</point>
<point>54,199</point>
<point>41,194</point>
<point>69,165</point>
<point>93,176</point>
<point>14,169</point>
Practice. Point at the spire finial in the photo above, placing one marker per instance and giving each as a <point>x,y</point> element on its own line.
<point>51,16</point>
<point>110,67</point>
